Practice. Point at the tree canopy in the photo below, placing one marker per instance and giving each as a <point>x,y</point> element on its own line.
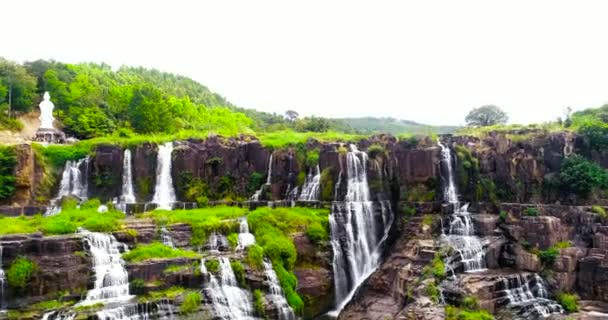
<point>486,116</point>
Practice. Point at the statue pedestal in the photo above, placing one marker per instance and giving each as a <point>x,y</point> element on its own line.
<point>50,136</point>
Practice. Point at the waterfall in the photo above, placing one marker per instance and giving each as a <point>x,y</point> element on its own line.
<point>166,238</point>
<point>256,196</point>
<point>128,195</point>
<point>527,294</point>
<point>216,241</point>
<point>2,285</point>
<point>162,310</point>
<point>276,296</point>
<point>229,301</point>
<point>461,232</point>
<point>73,183</point>
<point>164,194</point>
<point>245,237</point>
<point>356,235</point>
<point>310,190</point>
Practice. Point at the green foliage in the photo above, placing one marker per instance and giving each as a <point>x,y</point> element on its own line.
<point>427,220</point>
<point>563,244</point>
<point>170,293</point>
<point>203,220</point>
<point>327,185</point>
<point>568,301</point>
<point>191,303</point>
<point>581,176</point>
<point>503,215</point>
<point>156,250</point>
<point>193,189</point>
<point>239,272</point>
<point>432,291</point>
<point>20,272</point>
<point>531,212</point>
<point>453,313</point>
<point>233,239</point>
<point>438,267</point>
<point>470,303</point>
<point>259,303</point>
<point>486,116</point>
<point>599,210</point>
<point>57,155</point>
<point>255,256</point>
<point>8,161</point>
<point>409,211</point>
<point>255,181</point>
<point>317,233</point>
<point>312,158</point>
<point>22,86</point>
<point>212,265</point>
<point>375,150</point>
<point>548,257</point>
<point>282,139</point>
<point>593,128</point>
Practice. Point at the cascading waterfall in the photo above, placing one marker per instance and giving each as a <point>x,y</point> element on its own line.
<point>256,196</point>
<point>356,235</point>
<point>162,310</point>
<point>461,233</point>
<point>74,183</point>
<point>128,193</point>
<point>217,241</point>
<point>276,295</point>
<point>164,194</point>
<point>245,238</point>
<point>528,295</point>
<point>2,285</point>
<point>166,238</point>
<point>229,301</point>
<point>310,190</point>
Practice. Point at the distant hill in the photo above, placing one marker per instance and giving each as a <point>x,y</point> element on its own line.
<point>367,125</point>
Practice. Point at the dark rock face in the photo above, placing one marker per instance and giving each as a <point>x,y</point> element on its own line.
<point>144,171</point>
<point>105,172</point>
<point>62,265</point>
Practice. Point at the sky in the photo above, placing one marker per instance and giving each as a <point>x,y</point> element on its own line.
<point>427,61</point>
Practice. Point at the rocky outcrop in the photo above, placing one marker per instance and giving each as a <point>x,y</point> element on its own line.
<point>105,172</point>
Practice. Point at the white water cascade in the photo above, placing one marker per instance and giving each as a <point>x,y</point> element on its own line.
<point>2,285</point>
<point>162,310</point>
<point>164,194</point>
<point>245,238</point>
<point>128,194</point>
<point>74,182</point>
<point>310,190</point>
<point>356,235</point>
<point>528,295</point>
<point>229,301</point>
<point>216,241</point>
<point>166,238</point>
<point>276,295</point>
<point>461,232</point>
<point>256,196</point>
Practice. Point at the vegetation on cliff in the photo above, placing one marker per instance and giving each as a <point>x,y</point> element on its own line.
<point>8,161</point>
<point>156,250</point>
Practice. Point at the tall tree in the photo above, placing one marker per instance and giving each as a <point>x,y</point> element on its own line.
<point>20,86</point>
<point>486,116</point>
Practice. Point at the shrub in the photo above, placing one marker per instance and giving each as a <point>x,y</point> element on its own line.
<point>438,267</point>
<point>256,180</point>
<point>191,303</point>
<point>239,272</point>
<point>548,256</point>
<point>375,150</point>
<point>470,303</point>
<point>503,216</point>
<point>599,210</point>
<point>156,250</point>
<point>580,176</point>
<point>531,212</point>
<point>212,265</point>
<point>20,272</point>
<point>312,158</point>
<point>259,303</point>
<point>568,301</point>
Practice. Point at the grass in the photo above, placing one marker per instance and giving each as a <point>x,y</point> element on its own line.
<point>259,303</point>
<point>156,250</point>
<point>203,221</point>
<point>599,210</point>
<point>212,265</point>
<point>454,313</point>
<point>239,272</point>
<point>50,305</point>
<point>436,268</point>
<point>255,257</point>
<point>191,303</point>
<point>20,272</point>
<point>546,127</point>
<point>273,229</point>
<point>568,301</point>
<point>67,221</point>
<point>170,294</point>
<point>282,139</point>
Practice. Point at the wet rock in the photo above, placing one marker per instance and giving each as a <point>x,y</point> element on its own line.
<point>541,232</point>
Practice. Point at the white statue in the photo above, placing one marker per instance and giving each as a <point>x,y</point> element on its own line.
<point>46,112</point>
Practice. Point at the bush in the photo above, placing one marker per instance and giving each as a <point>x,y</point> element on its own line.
<point>503,215</point>
<point>312,158</point>
<point>156,250</point>
<point>547,257</point>
<point>599,210</point>
<point>191,303</point>
<point>581,176</point>
<point>239,272</point>
<point>255,256</point>
<point>568,301</point>
<point>212,265</point>
<point>531,212</point>
<point>375,150</point>
<point>20,272</point>
<point>438,267</point>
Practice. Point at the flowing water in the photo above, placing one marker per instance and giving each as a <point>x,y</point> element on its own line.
<point>527,295</point>
<point>217,241</point>
<point>460,233</point>
<point>276,296</point>
<point>164,194</point>
<point>166,238</point>
<point>245,238</point>
<point>74,182</point>
<point>228,300</point>
<point>2,285</point>
<point>256,196</point>
<point>310,190</point>
<point>356,233</point>
<point>128,193</point>
<point>161,310</point>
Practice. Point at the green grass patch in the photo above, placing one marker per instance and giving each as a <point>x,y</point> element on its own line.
<point>239,272</point>
<point>255,257</point>
<point>454,313</point>
<point>259,303</point>
<point>191,303</point>
<point>170,294</point>
<point>21,272</point>
<point>203,220</point>
<point>157,250</point>
<point>599,210</point>
<point>282,139</point>
<point>212,265</point>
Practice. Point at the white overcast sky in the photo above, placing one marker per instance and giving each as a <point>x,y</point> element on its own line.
<point>428,61</point>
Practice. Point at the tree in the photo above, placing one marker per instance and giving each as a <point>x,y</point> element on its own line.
<point>581,176</point>
<point>291,115</point>
<point>486,116</point>
<point>19,84</point>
